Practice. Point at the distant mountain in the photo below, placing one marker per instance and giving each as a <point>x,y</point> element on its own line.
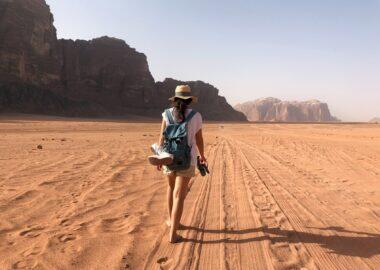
<point>99,77</point>
<point>275,110</point>
<point>375,120</point>
<point>211,105</point>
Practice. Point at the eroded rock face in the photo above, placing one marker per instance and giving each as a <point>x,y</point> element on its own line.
<point>107,71</point>
<point>28,43</point>
<point>275,110</point>
<point>375,120</point>
<point>210,104</point>
<point>28,98</point>
<point>100,77</point>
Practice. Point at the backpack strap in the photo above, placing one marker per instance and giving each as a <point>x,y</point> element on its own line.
<point>169,116</point>
<point>188,118</point>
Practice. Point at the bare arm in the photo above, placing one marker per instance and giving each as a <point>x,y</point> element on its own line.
<point>200,145</point>
<point>161,138</point>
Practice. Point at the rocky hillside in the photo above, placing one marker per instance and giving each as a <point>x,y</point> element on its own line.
<point>209,103</point>
<point>100,77</point>
<point>29,50</point>
<point>107,72</point>
<point>375,120</point>
<point>275,110</point>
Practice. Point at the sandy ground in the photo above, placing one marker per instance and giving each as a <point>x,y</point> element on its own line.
<point>278,197</point>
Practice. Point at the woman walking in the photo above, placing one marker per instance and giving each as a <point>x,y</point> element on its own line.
<point>177,159</point>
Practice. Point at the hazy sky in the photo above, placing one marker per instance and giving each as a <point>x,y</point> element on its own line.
<point>297,50</point>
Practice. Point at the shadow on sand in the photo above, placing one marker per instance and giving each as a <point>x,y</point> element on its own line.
<point>363,244</point>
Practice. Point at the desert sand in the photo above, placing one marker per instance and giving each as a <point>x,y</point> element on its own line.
<point>279,196</point>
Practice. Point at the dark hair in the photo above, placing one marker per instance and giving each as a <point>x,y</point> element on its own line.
<point>180,106</point>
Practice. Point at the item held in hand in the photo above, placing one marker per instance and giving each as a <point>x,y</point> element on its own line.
<point>203,169</point>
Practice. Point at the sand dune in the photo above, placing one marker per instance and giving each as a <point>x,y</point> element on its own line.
<point>278,197</point>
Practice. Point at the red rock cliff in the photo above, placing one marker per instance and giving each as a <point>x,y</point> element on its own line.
<point>106,71</point>
<point>210,104</point>
<point>100,77</point>
<point>28,43</point>
<point>275,110</point>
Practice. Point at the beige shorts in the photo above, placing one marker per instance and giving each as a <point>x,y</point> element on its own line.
<point>190,172</point>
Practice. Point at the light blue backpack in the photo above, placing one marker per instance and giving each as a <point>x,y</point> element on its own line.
<point>175,142</point>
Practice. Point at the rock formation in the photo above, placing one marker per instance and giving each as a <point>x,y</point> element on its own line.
<point>275,110</point>
<point>28,98</point>
<point>107,72</point>
<point>100,77</point>
<point>28,43</point>
<point>212,106</point>
<point>375,120</point>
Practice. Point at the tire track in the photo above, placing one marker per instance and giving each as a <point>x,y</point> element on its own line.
<point>228,212</point>
<point>299,216</point>
<point>289,253</point>
<point>251,242</point>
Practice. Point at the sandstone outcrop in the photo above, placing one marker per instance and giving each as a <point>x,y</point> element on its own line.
<point>28,43</point>
<point>107,72</point>
<point>100,77</point>
<point>375,120</point>
<point>28,98</point>
<point>275,110</point>
<point>212,106</point>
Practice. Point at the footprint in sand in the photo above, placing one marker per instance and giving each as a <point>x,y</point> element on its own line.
<point>164,263</point>
<point>65,222</point>
<point>20,265</point>
<point>25,264</point>
<point>117,225</point>
<point>67,237</point>
<point>280,219</point>
<point>26,197</point>
<point>35,250</point>
<point>31,232</point>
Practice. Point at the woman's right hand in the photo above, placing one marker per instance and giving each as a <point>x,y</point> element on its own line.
<point>203,160</point>
<point>159,167</point>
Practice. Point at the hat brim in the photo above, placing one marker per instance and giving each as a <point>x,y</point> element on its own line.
<point>194,99</point>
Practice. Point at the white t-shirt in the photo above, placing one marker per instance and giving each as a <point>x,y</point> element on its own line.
<point>193,127</point>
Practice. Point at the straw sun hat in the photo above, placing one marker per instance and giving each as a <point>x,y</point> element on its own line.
<point>183,92</point>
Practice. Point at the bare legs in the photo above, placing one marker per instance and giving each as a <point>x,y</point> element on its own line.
<point>169,196</point>
<point>175,203</point>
